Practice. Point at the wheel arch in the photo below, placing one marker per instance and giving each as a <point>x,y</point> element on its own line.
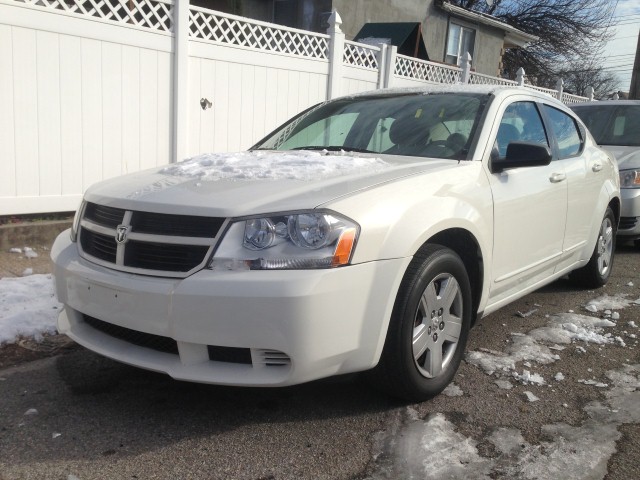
<point>614,203</point>
<point>466,246</point>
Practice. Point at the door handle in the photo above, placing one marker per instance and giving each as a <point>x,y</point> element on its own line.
<point>557,177</point>
<point>596,167</point>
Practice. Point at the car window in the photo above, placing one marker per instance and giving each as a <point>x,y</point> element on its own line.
<point>612,124</point>
<point>438,125</point>
<point>566,131</point>
<point>380,140</point>
<point>521,122</point>
<point>333,131</point>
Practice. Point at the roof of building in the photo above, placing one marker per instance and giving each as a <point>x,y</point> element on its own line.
<point>513,37</point>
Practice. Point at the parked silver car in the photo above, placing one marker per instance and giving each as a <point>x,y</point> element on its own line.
<point>615,125</point>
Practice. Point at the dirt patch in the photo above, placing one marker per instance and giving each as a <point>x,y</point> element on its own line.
<point>27,350</point>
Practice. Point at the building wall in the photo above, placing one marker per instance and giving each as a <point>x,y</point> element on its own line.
<point>488,50</point>
<point>434,31</point>
<point>355,13</point>
<point>488,44</point>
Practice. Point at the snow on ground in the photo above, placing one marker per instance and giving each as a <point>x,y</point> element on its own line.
<point>541,345</point>
<point>28,307</point>
<point>431,448</point>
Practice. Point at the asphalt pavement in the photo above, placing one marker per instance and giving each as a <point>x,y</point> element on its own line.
<point>81,416</point>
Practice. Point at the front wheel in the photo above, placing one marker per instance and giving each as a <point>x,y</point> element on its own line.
<point>596,273</point>
<point>429,326</point>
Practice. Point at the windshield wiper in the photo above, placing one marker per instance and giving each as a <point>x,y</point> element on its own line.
<point>334,148</point>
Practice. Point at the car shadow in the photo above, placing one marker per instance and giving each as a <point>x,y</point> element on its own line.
<point>104,408</point>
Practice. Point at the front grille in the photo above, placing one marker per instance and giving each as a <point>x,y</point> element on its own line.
<point>627,223</point>
<point>147,242</point>
<point>107,216</point>
<point>176,225</point>
<point>141,339</point>
<point>99,246</point>
<point>167,257</point>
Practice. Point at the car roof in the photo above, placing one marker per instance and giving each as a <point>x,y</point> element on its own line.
<point>495,90</point>
<point>606,103</point>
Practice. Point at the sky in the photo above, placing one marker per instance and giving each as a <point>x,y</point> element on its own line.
<point>620,50</point>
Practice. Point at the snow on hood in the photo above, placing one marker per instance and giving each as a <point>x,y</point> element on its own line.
<point>235,184</point>
<point>255,165</point>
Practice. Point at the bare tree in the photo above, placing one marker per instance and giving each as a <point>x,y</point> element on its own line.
<point>579,76</point>
<point>568,31</point>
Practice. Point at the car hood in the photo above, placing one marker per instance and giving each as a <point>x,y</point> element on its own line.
<point>236,184</point>
<point>627,157</point>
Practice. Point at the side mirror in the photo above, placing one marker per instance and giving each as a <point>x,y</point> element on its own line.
<point>522,154</point>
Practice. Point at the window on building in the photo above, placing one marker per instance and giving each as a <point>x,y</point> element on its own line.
<point>285,12</point>
<point>461,40</point>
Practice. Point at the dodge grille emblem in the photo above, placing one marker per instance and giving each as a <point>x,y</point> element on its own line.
<point>121,234</point>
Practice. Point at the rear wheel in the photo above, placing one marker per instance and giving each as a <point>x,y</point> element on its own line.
<point>429,326</point>
<point>596,273</point>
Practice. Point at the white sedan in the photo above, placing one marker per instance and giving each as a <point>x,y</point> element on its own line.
<point>368,233</point>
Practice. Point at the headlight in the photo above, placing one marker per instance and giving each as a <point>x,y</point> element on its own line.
<point>76,222</point>
<point>302,240</point>
<point>630,178</point>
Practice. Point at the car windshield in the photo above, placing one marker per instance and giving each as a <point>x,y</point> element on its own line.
<point>438,125</point>
<point>612,124</point>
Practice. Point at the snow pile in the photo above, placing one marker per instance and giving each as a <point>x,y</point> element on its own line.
<point>433,448</point>
<point>608,302</point>
<point>563,328</point>
<point>269,166</point>
<point>452,390</point>
<point>27,251</point>
<point>28,307</point>
<point>527,377</point>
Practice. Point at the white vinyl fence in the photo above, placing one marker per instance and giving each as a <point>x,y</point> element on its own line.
<point>92,89</point>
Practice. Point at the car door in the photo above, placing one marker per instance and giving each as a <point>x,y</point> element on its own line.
<point>530,208</point>
<point>585,175</point>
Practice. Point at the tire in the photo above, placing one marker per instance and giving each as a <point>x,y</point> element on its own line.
<point>596,273</point>
<point>429,326</point>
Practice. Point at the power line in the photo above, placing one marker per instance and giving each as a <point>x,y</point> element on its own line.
<point>622,38</point>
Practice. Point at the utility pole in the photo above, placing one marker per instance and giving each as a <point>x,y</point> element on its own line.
<point>634,90</point>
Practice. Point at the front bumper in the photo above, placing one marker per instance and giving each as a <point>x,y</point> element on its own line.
<point>630,213</point>
<point>251,328</point>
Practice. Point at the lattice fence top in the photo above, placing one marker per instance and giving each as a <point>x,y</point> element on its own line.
<point>153,14</point>
<point>422,70</point>
<point>569,98</point>
<point>360,55</point>
<point>229,29</point>
<point>481,79</point>
<point>550,91</point>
